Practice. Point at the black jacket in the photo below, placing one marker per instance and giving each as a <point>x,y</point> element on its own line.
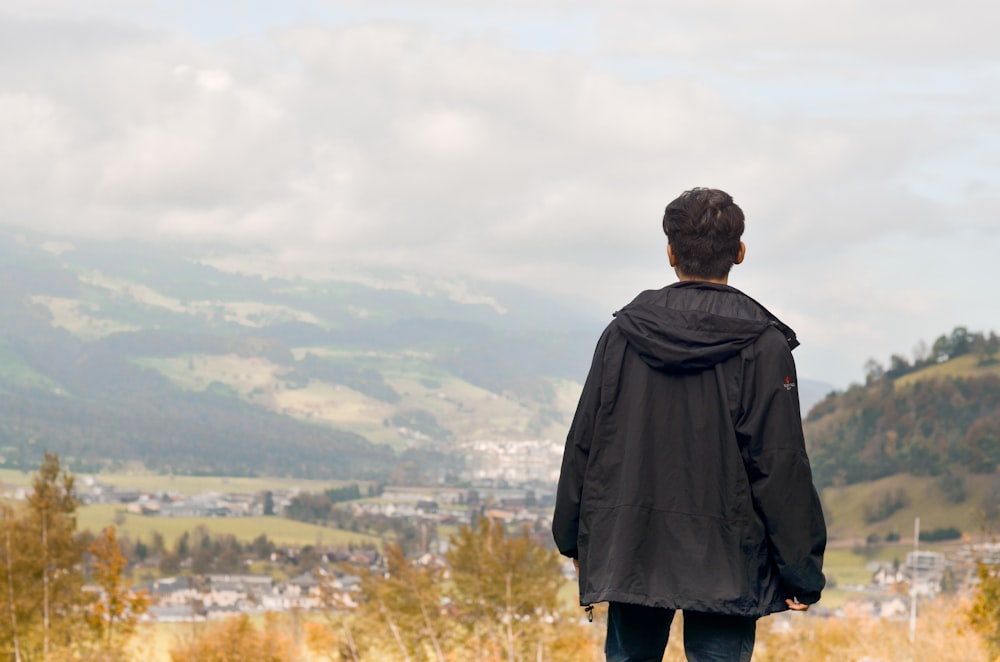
<point>685,482</point>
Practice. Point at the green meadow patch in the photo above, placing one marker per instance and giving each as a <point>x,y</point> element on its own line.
<point>961,367</point>
<point>278,529</point>
<point>16,374</point>
<point>851,507</point>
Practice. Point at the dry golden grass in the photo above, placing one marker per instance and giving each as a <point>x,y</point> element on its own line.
<point>942,635</point>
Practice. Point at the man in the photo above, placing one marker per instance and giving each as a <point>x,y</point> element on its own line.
<point>685,482</point>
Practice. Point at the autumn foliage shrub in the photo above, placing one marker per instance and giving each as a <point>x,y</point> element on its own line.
<point>237,639</point>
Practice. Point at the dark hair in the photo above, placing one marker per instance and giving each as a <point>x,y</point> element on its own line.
<point>704,227</point>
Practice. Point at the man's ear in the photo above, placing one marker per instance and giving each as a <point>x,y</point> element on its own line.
<point>670,255</point>
<point>740,254</point>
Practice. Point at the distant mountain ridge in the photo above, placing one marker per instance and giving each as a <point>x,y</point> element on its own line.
<point>116,351</point>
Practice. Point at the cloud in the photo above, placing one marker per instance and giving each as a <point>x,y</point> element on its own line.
<point>420,137</point>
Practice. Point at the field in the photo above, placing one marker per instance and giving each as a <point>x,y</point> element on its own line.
<point>154,482</point>
<point>942,633</point>
<point>847,569</point>
<point>468,411</point>
<point>846,507</point>
<point>280,530</point>
<point>13,370</point>
<point>963,366</point>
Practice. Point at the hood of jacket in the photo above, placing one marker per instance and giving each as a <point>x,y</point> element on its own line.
<point>693,325</point>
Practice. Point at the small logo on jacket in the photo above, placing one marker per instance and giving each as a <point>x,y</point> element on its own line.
<point>789,384</point>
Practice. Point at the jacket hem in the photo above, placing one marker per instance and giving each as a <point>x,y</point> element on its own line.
<point>715,607</point>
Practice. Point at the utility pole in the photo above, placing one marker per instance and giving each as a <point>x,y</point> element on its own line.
<point>913,580</point>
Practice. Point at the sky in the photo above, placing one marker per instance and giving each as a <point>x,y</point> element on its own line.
<point>535,143</point>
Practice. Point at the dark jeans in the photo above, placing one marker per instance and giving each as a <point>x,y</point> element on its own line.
<point>639,634</point>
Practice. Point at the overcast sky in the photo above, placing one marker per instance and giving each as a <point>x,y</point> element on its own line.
<point>534,142</point>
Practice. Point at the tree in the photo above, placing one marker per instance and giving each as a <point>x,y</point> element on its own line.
<point>262,547</point>
<point>953,486</point>
<point>408,600</point>
<point>12,638</point>
<point>941,350</point>
<point>960,341</point>
<point>41,575</point>
<point>182,548</point>
<point>322,640</point>
<point>501,604</point>
<point>46,615</point>
<point>898,366</point>
<point>504,587</point>
<point>873,371</point>
<point>984,613</point>
<point>157,546</point>
<point>117,608</point>
<point>268,502</point>
<point>170,564</point>
<point>982,442</point>
<point>55,552</point>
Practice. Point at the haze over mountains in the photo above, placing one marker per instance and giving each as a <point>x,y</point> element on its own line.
<point>118,352</point>
<point>111,352</point>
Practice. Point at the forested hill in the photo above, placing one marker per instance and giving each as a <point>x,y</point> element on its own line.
<point>939,414</point>
<point>194,362</point>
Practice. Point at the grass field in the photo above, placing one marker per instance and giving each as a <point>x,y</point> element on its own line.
<point>280,530</point>
<point>467,410</point>
<point>155,482</point>
<point>847,567</point>
<point>846,506</point>
<point>152,641</point>
<point>71,314</point>
<point>15,373</point>
<point>963,366</point>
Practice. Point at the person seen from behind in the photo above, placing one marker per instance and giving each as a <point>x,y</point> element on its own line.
<point>685,483</point>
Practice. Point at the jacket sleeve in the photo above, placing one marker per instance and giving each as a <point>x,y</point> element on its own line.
<point>566,519</point>
<point>769,429</point>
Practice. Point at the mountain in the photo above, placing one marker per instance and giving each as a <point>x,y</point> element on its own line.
<point>200,361</point>
<point>939,416</point>
<point>117,352</point>
<point>812,391</point>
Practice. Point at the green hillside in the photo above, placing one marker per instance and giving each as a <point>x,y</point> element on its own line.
<point>15,374</point>
<point>114,353</point>
<point>880,508</point>
<point>962,367</point>
<point>279,530</point>
<point>940,415</point>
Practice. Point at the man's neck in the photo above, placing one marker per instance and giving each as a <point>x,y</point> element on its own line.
<point>718,281</point>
